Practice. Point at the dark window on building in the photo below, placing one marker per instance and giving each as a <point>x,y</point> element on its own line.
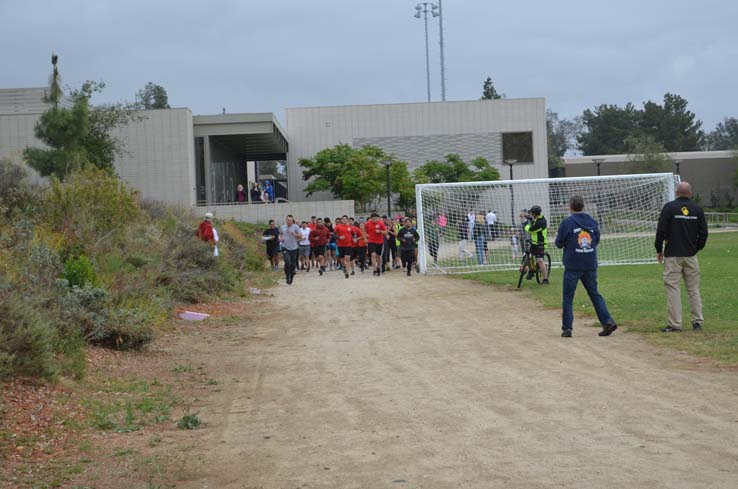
<point>517,146</point>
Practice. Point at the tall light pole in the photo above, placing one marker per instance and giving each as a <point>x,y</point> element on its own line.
<point>598,162</point>
<point>387,164</point>
<point>422,8</point>
<point>678,163</point>
<point>510,163</point>
<point>443,68</point>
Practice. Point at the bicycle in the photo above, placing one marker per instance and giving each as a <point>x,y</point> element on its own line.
<point>530,264</point>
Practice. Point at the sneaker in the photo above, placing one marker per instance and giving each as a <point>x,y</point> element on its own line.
<point>608,329</point>
<point>696,327</point>
<point>566,333</point>
<point>545,281</point>
<point>529,276</point>
<point>353,272</point>
<point>408,273</point>
<point>346,275</point>
<point>320,272</point>
<point>669,329</point>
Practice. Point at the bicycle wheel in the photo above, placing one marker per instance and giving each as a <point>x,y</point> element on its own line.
<point>523,268</point>
<point>539,272</point>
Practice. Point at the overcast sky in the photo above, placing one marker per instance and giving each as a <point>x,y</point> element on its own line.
<point>263,56</point>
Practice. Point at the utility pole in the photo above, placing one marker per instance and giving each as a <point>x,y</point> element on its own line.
<point>423,8</point>
<point>443,68</point>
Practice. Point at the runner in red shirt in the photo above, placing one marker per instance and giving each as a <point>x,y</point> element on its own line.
<point>376,231</point>
<point>345,239</point>
<point>319,238</point>
<point>360,247</point>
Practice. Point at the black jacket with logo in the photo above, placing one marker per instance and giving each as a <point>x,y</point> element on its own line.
<point>682,229</point>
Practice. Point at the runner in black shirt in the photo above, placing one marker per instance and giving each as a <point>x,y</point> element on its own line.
<point>409,238</point>
<point>271,240</point>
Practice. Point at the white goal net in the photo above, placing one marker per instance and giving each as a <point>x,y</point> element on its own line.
<point>475,226</point>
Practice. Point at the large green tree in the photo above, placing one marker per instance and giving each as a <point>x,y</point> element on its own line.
<point>724,136</point>
<point>562,135</point>
<point>646,155</point>
<point>152,96</point>
<point>489,92</point>
<point>357,174</point>
<point>671,124</point>
<point>606,128</point>
<point>63,130</point>
<point>454,169</point>
<point>101,145</point>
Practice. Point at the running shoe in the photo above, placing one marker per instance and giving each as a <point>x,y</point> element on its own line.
<point>566,333</point>
<point>608,329</point>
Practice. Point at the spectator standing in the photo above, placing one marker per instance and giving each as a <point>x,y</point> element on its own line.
<point>240,194</point>
<point>491,219</point>
<point>680,235</point>
<point>463,237</point>
<point>579,236</point>
<point>255,193</point>
<point>269,191</point>
<point>442,223</point>
<point>479,235</point>
<point>271,240</point>
<point>289,234</point>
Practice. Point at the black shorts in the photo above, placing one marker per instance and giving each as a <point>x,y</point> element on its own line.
<point>345,251</point>
<point>537,250</point>
<point>318,250</point>
<point>375,248</point>
<point>272,252</point>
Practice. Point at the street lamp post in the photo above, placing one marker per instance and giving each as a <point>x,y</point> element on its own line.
<point>510,163</point>
<point>387,164</point>
<point>598,162</point>
<point>443,68</point>
<point>678,163</point>
<point>422,7</point>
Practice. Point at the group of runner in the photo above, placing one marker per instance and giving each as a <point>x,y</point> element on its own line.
<point>345,244</point>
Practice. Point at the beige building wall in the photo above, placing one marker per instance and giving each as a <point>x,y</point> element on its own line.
<point>711,173</point>
<point>160,157</point>
<point>470,127</point>
<point>262,213</point>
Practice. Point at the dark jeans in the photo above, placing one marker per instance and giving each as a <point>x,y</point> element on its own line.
<point>408,258</point>
<point>290,262</point>
<point>589,280</point>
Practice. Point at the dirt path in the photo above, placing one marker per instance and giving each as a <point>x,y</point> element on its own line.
<point>439,383</point>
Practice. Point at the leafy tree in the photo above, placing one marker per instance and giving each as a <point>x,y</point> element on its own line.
<point>63,131</point>
<point>606,128</point>
<point>454,169</point>
<point>355,174</point>
<point>671,124</point>
<point>562,135</point>
<point>102,147</point>
<point>152,96</point>
<point>725,135</point>
<point>489,92</point>
<point>646,155</point>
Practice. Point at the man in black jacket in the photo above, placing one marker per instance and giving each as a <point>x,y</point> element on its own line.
<point>681,233</point>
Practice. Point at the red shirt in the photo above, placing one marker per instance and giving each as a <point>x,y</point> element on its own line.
<point>320,236</point>
<point>361,242</point>
<point>344,236</point>
<point>205,232</point>
<point>375,231</point>
<point>311,226</point>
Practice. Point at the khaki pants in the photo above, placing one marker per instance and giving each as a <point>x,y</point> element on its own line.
<point>676,267</point>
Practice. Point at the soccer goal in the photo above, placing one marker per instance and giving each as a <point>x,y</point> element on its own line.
<point>454,219</point>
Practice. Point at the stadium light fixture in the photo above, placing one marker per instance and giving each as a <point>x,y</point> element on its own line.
<point>423,8</point>
<point>387,164</point>
<point>510,163</point>
<point>598,162</point>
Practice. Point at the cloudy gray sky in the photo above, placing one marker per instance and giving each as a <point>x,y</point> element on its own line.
<point>253,56</point>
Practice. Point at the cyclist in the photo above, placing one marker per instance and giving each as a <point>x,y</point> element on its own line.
<point>536,225</point>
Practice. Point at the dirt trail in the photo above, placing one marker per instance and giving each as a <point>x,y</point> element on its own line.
<point>430,382</point>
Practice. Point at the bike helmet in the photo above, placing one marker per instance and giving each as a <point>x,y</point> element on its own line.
<point>536,210</point>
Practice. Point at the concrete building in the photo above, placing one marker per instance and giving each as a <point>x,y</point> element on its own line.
<point>508,129</point>
<point>711,173</point>
<point>198,160</point>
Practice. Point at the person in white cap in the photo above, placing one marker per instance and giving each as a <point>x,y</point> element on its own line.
<point>206,232</point>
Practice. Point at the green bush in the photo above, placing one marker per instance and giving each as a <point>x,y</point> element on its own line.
<point>79,272</point>
<point>27,339</point>
<point>123,329</point>
<point>15,192</point>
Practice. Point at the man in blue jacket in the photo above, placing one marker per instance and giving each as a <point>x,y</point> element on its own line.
<point>579,235</point>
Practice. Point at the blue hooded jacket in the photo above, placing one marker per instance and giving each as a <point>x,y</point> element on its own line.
<point>579,235</point>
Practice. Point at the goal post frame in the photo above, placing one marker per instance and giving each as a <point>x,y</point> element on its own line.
<point>422,245</point>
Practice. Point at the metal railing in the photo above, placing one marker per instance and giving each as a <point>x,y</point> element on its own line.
<point>721,219</point>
